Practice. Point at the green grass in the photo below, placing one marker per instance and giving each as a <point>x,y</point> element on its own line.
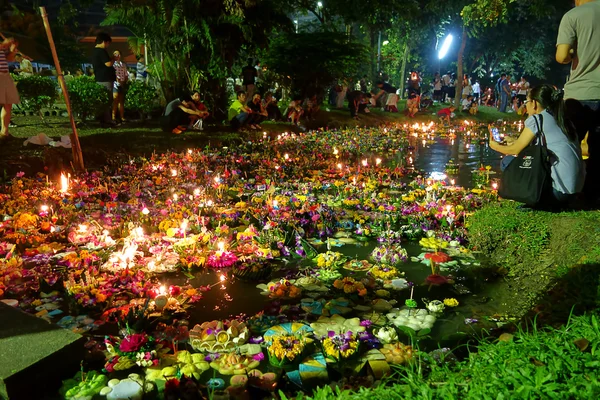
<point>535,364</point>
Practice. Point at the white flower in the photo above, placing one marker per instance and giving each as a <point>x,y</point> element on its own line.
<point>386,335</point>
<point>436,306</point>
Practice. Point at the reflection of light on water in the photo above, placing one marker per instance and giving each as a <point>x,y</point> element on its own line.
<point>438,176</point>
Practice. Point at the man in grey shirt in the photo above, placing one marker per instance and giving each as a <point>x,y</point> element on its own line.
<point>578,43</point>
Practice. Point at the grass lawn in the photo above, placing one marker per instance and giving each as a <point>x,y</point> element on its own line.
<point>141,138</point>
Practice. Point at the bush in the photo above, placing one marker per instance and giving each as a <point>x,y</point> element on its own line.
<point>36,92</point>
<point>87,97</point>
<point>140,97</point>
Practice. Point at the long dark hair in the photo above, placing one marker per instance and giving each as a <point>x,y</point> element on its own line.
<point>552,100</point>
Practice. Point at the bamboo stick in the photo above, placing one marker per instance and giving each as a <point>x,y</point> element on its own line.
<point>76,147</point>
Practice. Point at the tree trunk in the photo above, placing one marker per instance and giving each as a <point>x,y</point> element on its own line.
<point>403,68</point>
<point>372,63</point>
<point>459,70</point>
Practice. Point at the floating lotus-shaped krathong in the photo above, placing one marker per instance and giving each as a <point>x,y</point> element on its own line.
<point>219,336</point>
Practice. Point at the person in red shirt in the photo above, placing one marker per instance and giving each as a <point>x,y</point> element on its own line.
<point>445,114</point>
<point>197,121</point>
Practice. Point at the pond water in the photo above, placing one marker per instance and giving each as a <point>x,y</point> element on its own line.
<point>473,288</point>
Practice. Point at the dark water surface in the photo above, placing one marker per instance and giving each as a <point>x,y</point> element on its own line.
<point>236,297</point>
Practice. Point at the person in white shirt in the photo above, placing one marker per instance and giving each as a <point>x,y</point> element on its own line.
<point>476,91</point>
<point>25,68</point>
<point>522,90</point>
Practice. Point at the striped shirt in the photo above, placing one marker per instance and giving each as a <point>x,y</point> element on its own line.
<point>140,73</point>
<point>121,71</point>
<point>3,61</point>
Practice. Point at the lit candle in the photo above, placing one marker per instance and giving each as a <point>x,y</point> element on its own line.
<point>452,181</point>
<point>365,162</point>
<point>221,246</point>
<point>64,183</point>
<point>494,186</point>
<point>377,161</point>
<point>145,211</point>
<point>173,172</point>
<point>183,227</point>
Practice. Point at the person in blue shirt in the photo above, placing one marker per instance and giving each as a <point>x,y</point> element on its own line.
<point>567,167</point>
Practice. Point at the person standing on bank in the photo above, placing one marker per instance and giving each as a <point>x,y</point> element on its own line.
<point>104,73</point>
<point>567,167</point>
<point>8,90</point>
<point>119,88</point>
<point>249,75</point>
<point>578,43</point>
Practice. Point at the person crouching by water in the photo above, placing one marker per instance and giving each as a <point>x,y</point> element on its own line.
<point>567,167</point>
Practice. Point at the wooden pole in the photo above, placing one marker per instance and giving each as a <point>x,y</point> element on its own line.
<point>76,147</point>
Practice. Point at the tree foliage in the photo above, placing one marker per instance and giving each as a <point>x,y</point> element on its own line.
<point>194,42</point>
<point>314,60</point>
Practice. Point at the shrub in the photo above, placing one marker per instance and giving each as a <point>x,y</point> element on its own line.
<point>87,97</point>
<point>140,97</point>
<point>36,92</point>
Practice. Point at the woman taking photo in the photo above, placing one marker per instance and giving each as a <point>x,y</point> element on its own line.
<point>545,107</point>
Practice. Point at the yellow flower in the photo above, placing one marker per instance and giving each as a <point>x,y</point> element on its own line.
<point>450,302</point>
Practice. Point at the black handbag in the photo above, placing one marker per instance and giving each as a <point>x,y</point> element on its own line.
<point>527,179</point>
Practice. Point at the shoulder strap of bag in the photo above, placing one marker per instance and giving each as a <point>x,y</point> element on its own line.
<point>540,127</point>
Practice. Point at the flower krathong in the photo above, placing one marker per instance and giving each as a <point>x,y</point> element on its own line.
<point>130,244</point>
<point>340,346</point>
<point>134,349</point>
<point>286,348</point>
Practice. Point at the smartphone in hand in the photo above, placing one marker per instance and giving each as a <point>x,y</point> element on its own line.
<point>496,135</point>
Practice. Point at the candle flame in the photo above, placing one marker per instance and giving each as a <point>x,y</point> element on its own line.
<point>175,197</point>
<point>222,278</point>
<point>173,172</point>
<point>64,183</point>
<point>145,211</point>
<point>452,182</point>
<point>365,162</point>
<point>221,246</point>
<point>44,208</point>
<point>286,156</point>
<point>494,186</point>
<point>339,166</point>
<point>196,192</point>
<point>378,161</point>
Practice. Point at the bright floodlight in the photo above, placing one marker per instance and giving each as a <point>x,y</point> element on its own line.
<point>445,47</point>
<point>320,5</point>
<point>385,42</point>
